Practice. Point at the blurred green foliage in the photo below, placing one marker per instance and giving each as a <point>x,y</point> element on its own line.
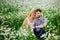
<point>11,19</point>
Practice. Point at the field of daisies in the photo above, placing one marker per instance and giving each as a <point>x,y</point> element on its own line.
<point>13,12</point>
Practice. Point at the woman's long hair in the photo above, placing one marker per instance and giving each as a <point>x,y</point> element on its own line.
<point>31,12</point>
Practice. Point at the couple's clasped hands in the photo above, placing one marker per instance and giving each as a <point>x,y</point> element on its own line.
<point>32,27</point>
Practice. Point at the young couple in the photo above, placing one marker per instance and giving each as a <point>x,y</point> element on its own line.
<point>36,21</point>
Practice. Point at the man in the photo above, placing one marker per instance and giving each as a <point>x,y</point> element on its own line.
<point>39,23</point>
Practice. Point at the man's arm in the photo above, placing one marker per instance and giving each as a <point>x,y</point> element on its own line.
<point>43,25</point>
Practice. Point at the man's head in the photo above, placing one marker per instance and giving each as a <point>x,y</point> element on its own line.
<point>38,13</point>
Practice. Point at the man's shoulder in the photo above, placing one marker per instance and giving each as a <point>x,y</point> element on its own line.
<point>45,19</point>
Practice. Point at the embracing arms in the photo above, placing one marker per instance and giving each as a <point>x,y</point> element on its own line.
<point>25,23</point>
<point>43,25</point>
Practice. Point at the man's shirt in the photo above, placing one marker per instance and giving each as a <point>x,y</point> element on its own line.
<point>40,21</point>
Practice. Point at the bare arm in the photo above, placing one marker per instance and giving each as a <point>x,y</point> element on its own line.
<point>32,27</point>
<point>24,23</point>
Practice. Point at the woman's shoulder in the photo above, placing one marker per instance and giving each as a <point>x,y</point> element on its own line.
<point>26,19</point>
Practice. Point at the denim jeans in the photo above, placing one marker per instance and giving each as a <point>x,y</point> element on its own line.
<point>38,32</point>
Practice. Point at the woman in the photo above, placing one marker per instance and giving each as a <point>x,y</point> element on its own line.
<point>29,20</point>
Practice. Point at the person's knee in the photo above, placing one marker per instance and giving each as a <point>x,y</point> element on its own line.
<point>42,30</point>
<point>36,31</point>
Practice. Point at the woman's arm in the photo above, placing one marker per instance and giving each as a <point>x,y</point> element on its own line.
<point>24,23</point>
<point>32,27</point>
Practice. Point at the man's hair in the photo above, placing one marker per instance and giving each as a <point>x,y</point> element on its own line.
<point>38,10</point>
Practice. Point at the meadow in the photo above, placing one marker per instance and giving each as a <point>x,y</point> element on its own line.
<point>11,19</point>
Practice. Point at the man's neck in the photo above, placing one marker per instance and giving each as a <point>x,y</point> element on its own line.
<point>39,17</point>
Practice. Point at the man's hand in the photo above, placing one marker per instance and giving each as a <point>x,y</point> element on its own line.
<point>41,26</point>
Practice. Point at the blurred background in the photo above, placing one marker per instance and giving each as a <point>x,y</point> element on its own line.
<point>13,12</point>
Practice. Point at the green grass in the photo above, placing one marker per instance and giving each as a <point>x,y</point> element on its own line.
<point>11,19</point>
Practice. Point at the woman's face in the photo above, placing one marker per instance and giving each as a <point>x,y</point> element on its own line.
<point>33,14</point>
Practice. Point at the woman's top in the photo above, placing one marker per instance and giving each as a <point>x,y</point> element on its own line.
<point>29,23</point>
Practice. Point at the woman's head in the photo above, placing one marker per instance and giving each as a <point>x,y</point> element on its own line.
<point>32,13</point>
